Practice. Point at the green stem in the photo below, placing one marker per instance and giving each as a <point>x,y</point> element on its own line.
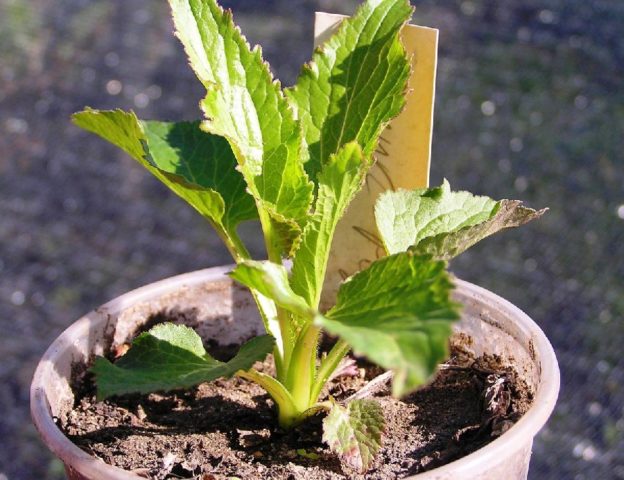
<point>287,411</point>
<point>328,366</point>
<point>266,307</point>
<point>275,323</point>
<point>285,327</point>
<point>273,327</point>
<point>271,239</point>
<point>239,247</point>
<point>302,366</point>
<point>233,243</point>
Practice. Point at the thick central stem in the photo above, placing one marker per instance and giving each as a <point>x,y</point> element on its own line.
<point>302,367</point>
<point>287,412</point>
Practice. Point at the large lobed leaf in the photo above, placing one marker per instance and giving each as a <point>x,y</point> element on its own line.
<point>355,83</point>
<point>399,314</point>
<point>197,166</point>
<point>169,357</point>
<point>443,223</point>
<point>246,106</point>
<point>355,432</point>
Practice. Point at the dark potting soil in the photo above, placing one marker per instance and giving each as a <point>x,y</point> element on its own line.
<point>228,429</point>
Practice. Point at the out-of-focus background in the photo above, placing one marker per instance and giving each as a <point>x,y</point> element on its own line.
<point>530,105</point>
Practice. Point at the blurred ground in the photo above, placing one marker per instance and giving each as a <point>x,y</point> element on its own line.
<point>530,105</point>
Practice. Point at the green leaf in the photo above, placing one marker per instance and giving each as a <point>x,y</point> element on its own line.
<point>183,148</point>
<point>340,179</point>
<point>169,357</point>
<point>197,166</point>
<point>355,433</point>
<point>245,105</point>
<point>271,280</point>
<point>443,223</point>
<point>355,83</point>
<point>399,314</point>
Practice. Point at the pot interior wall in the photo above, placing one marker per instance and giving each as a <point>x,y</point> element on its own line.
<point>489,327</point>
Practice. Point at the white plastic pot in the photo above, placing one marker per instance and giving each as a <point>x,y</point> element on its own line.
<point>226,313</point>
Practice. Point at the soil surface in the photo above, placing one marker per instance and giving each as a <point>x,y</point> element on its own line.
<point>228,428</point>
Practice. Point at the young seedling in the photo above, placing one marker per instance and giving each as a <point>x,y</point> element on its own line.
<point>294,159</point>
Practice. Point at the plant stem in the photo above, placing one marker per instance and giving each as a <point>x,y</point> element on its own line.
<point>287,412</point>
<point>239,247</point>
<point>266,307</point>
<point>271,240</point>
<point>328,366</point>
<point>273,249</point>
<point>269,314</point>
<point>285,327</point>
<point>233,243</point>
<point>302,366</point>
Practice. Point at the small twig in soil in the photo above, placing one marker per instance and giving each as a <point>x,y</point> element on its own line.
<point>376,385</point>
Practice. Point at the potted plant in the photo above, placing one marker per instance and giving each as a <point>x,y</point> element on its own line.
<point>294,160</point>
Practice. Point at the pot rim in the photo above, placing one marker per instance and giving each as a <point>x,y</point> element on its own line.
<point>515,438</point>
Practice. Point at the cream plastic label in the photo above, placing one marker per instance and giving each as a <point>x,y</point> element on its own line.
<point>403,157</point>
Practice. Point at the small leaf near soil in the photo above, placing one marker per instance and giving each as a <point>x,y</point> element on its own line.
<point>355,432</point>
<point>443,223</point>
<point>168,357</point>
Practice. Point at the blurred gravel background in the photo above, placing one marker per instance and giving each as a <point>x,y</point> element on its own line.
<point>530,105</point>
